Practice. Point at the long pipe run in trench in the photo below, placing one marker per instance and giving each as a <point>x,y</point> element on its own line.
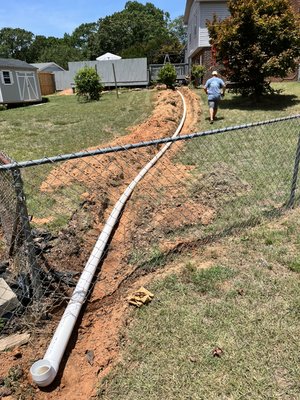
<point>44,371</point>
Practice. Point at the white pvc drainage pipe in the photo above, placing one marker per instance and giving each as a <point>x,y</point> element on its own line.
<point>44,371</point>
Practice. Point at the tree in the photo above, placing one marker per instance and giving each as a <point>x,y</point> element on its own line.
<point>179,29</point>
<point>88,84</point>
<point>137,31</point>
<point>260,39</point>
<point>60,52</point>
<point>83,38</point>
<point>38,45</point>
<point>15,43</point>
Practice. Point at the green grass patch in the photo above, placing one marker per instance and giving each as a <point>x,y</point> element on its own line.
<point>226,332</point>
<point>294,265</point>
<point>63,125</point>
<point>60,126</point>
<point>235,109</point>
<point>206,280</point>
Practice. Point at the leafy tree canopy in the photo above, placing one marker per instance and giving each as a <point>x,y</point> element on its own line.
<point>259,39</point>
<point>83,38</point>
<point>137,31</point>
<point>179,29</point>
<point>60,53</point>
<point>15,43</point>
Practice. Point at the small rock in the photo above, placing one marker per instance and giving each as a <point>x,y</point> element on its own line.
<point>89,354</point>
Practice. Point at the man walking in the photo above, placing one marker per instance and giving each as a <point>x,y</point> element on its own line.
<point>215,89</point>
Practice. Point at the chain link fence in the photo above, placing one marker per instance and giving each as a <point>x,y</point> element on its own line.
<point>207,186</point>
<point>18,268</point>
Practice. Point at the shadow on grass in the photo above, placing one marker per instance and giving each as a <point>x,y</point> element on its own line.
<point>267,102</point>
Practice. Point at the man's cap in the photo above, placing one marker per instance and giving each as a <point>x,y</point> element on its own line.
<point>214,73</point>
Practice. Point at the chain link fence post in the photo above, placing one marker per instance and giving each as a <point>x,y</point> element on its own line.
<point>26,230</point>
<point>291,201</point>
<point>16,227</point>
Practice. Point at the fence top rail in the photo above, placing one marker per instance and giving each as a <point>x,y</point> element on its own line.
<point>114,149</point>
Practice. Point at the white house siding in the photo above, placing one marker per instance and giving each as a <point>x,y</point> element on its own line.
<point>193,28</point>
<point>207,11</point>
<point>197,31</point>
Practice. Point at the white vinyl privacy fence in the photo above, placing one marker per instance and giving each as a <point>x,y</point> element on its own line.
<point>127,72</point>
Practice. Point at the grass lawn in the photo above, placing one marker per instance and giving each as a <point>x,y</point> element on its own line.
<point>235,110</point>
<point>230,330</point>
<point>227,332</point>
<point>64,125</point>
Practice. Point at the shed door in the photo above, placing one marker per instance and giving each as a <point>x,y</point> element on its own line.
<point>27,86</point>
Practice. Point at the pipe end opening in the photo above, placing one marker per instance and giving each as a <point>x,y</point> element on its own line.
<point>42,373</point>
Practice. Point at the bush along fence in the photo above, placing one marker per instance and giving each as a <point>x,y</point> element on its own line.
<point>208,185</point>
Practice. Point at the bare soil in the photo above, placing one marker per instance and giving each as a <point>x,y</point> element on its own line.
<point>95,343</point>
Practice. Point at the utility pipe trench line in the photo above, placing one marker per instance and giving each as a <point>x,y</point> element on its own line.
<point>44,371</point>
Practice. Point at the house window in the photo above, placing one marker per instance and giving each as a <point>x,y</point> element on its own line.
<point>7,78</point>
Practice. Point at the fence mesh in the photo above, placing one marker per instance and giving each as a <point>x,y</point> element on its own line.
<point>204,188</point>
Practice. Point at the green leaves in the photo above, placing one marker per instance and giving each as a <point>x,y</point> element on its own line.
<point>259,40</point>
<point>137,31</point>
<point>140,30</point>
<point>15,43</point>
<point>167,75</point>
<point>88,85</point>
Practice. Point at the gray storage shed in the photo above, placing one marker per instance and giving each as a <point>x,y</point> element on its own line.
<point>19,82</point>
<point>48,67</point>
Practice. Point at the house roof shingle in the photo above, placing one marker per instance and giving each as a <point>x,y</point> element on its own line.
<point>42,66</point>
<point>14,63</point>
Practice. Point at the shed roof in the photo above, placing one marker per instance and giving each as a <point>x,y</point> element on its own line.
<point>14,63</point>
<point>108,56</point>
<point>42,66</point>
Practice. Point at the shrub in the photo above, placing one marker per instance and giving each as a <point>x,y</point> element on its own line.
<point>88,84</point>
<point>197,74</point>
<point>168,75</point>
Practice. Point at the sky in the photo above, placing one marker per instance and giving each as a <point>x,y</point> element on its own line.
<point>56,17</point>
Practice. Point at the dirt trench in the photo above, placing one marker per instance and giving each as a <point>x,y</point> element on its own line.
<point>95,344</point>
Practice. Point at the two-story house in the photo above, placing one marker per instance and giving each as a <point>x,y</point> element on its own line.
<point>197,12</point>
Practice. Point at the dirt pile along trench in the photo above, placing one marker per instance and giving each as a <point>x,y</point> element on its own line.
<point>95,343</point>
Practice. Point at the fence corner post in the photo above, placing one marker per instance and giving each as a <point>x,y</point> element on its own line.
<point>291,202</point>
